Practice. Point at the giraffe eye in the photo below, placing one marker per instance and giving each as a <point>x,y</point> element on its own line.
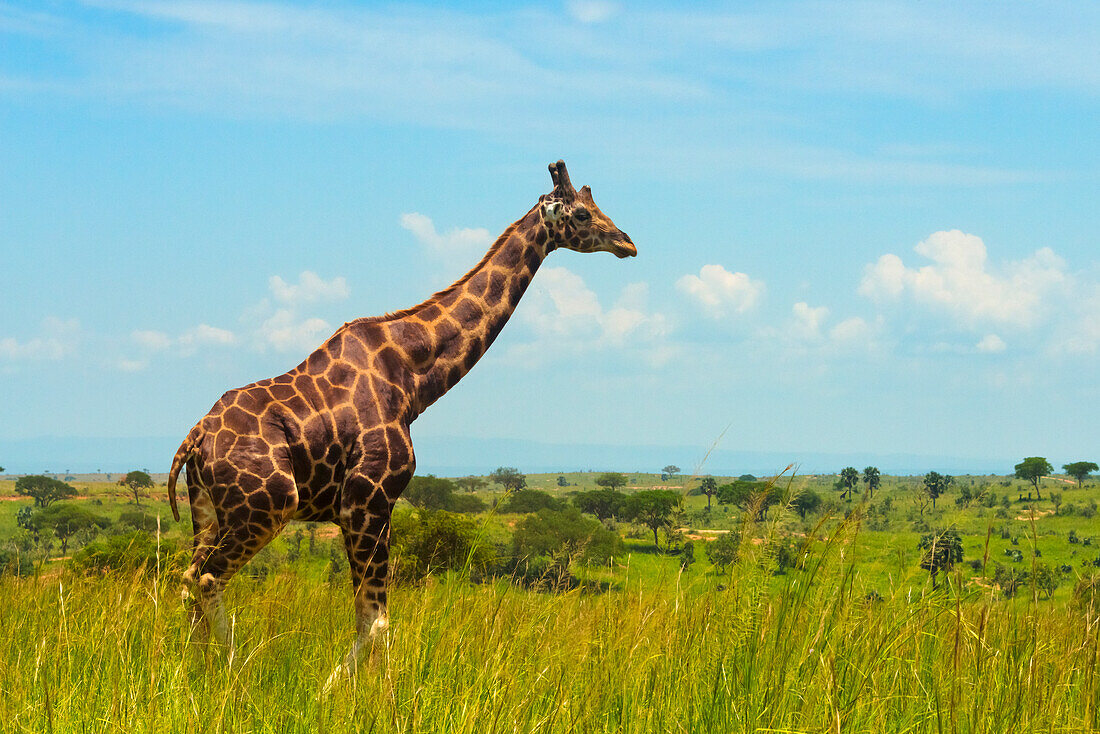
<point>582,215</point>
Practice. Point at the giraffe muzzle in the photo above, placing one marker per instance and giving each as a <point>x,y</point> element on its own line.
<point>623,246</point>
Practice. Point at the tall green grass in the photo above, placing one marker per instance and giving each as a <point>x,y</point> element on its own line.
<point>111,653</point>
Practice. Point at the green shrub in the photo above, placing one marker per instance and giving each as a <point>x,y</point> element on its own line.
<point>132,551</point>
<point>561,536</point>
<point>138,520</point>
<point>468,504</point>
<point>14,563</point>
<point>1086,593</point>
<point>723,550</point>
<point>435,542</point>
<point>530,500</point>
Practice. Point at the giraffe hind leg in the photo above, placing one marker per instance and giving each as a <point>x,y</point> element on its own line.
<point>246,522</point>
<point>205,525</point>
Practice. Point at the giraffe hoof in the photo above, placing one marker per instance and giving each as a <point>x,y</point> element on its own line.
<point>339,673</point>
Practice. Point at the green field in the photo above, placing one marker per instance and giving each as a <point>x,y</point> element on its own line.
<point>851,638</point>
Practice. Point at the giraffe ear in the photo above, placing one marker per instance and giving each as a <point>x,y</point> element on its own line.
<point>552,211</point>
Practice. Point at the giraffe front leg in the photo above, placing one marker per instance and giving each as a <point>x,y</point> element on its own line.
<point>366,538</point>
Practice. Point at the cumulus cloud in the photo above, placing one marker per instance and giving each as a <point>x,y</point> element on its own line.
<point>56,340</point>
<point>719,292</point>
<point>309,289</point>
<point>154,341</point>
<point>563,313</point>
<point>1080,334</point>
<point>960,281</point>
<point>204,334</point>
<point>456,244</point>
<point>808,320</point>
<point>150,342</point>
<point>853,331</point>
<point>284,331</point>
<point>990,344</point>
<point>283,325</point>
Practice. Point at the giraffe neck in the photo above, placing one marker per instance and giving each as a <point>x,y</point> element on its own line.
<point>446,335</point>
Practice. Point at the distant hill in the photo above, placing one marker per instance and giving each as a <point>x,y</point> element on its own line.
<point>456,456</point>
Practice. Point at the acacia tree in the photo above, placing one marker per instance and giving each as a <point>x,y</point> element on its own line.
<point>137,480</point>
<point>508,477</point>
<point>669,472</point>
<point>605,504</point>
<point>849,478</point>
<point>430,492</point>
<point>66,520</point>
<point>1079,470</point>
<point>805,502</point>
<point>470,483</point>
<point>1033,469</point>
<point>709,487</point>
<point>653,509</point>
<point>43,489</point>
<point>611,480</point>
<point>872,478</point>
<point>754,496</point>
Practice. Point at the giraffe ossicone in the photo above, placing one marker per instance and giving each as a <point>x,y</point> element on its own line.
<point>329,440</point>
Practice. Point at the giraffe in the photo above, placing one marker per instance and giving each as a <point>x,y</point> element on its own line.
<point>329,440</point>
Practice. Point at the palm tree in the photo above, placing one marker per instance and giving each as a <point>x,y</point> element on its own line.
<point>872,479</point>
<point>849,478</point>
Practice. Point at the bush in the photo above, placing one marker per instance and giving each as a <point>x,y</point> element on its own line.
<point>133,551</point>
<point>561,536</point>
<point>723,550</point>
<point>138,520</point>
<point>434,542</point>
<point>1086,594</point>
<point>530,500</point>
<point>14,563</point>
<point>468,504</point>
<point>1009,580</point>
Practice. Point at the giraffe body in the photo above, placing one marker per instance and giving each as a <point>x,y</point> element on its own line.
<point>329,440</point>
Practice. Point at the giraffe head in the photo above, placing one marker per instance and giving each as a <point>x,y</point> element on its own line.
<point>575,222</point>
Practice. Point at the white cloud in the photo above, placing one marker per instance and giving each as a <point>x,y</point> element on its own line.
<point>285,332</point>
<point>961,283</point>
<point>719,292</point>
<point>592,11</point>
<point>204,334</point>
<point>1080,333</point>
<point>151,341</point>
<point>154,341</point>
<point>808,320</point>
<point>57,340</point>
<point>564,314</point>
<point>282,325</point>
<point>131,365</point>
<point>853,331</point>
<point>455,246</point>
<point>990,344</point>
<point>309,289</point>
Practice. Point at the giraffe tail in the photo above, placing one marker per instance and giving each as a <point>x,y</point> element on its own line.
<point>182,455</point>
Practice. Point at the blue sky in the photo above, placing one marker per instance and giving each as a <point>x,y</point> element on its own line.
<point>862,227</point>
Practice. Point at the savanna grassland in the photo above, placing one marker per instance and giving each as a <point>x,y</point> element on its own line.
<point>825,622</point>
